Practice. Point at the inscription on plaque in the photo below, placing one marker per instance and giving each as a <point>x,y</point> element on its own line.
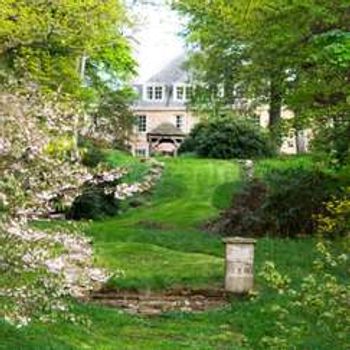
<point>240,253</point>
<point>239,264</point>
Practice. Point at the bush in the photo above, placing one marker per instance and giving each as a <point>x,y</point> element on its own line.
<point>92,156</point>
<point>332,142</point>
<point>93,204</point>
<point>285,203</point>
<point>228,137</point>
<point>335,222</point>
<point>295,197</point>
<point>315,314</point>
<point>60,147</point>
<point>244,217</point>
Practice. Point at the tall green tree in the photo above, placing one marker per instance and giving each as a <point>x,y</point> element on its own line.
<point>74,49</point>
<point>52,42</point>
<point>293,53</point>
<point>223,52</point>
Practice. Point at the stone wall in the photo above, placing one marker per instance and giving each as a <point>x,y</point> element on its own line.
<point>158,116</point>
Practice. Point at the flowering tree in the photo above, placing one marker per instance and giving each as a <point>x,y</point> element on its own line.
<point>54,60</point>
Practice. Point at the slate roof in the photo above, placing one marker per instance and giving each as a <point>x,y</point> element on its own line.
<point>173,73</point>
<point>166,129</point>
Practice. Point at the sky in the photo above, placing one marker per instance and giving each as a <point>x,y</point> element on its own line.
<point>157,29</point>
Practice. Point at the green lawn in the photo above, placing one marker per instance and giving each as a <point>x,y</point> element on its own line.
<point>136,169</point>
<point>160,245</point>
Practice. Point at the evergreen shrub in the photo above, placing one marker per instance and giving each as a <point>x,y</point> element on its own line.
<point>228,137</point>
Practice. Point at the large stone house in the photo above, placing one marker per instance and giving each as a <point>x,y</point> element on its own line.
<point>163,119</point>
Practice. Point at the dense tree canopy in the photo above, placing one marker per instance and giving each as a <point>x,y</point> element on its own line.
<point>52,43</point>
<point>293,53</point>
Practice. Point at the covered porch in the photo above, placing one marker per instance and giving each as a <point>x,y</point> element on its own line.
<point>165,139</point>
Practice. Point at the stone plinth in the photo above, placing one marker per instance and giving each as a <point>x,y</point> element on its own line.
<point>239,277</point>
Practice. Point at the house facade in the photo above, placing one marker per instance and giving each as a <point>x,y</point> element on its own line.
<point>163,119</point>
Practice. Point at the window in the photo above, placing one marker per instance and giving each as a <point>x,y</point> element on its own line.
<point>149,92</point>
<point>154,93</point>
<point>179,121</point>
<point>179,93</point>
<point>158,93</point>
<point>183,92</point>
<point>140,152</point>
<point>188,92</point>
<point>141,123</point>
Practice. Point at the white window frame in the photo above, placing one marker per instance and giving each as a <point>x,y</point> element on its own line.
<point>157,92</point>
<point>179,121</point>
<point>138,123</point>
<point>140,152</point>
<point>185,88</point>
<point>176,88</point>
<point>188,92</point>
<point>153,88</point>
<point>146,93</point>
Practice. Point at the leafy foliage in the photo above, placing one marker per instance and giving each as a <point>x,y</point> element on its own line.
<point>39,277</point>
<point>280,53</point>
<point>52,43</point>
<point>227,137</point>
<point>332,141</point>
<point>245,215</point>
<point>54,60</point>
<point>295,196</point>
<point>93,203</point>
<point>321,299</point>
<point>335,221</point>
<point>92,155</point>
<point>284,203</point>
<point>112,120</point>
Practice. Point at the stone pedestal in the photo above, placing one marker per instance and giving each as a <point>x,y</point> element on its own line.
<point>239,277</point>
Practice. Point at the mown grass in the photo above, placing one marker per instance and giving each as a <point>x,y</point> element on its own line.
<point>220,329</point>
<point>161,245</point>
<point>136,169</point>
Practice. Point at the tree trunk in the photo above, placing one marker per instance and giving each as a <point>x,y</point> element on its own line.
<point>276,101</point>
<point>275,111</point>
<point>81,64</point>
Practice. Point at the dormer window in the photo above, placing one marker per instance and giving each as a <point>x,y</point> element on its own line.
<point>158,92</point>
<point>179,93</point>
<point>183,92</point>
<point>149,93</point>
<point>188,91</point>
<point>154,92</point>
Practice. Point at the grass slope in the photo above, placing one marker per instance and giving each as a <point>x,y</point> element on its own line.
<point>160,245</point>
